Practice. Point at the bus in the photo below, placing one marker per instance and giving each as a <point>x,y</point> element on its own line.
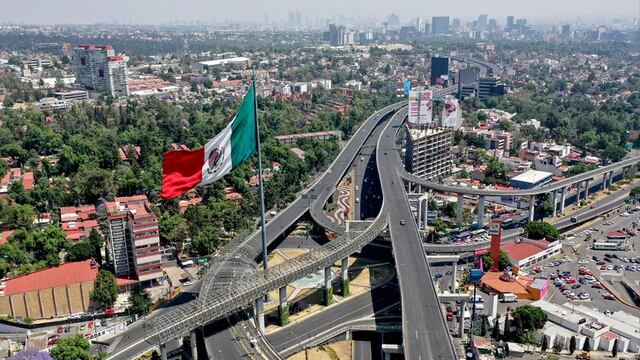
<point>478,232</point>
<point>605,246</point>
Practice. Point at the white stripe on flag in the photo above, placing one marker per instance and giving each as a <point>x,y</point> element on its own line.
<point>218,164</point>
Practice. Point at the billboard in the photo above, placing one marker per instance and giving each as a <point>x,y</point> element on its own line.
<point>426,107</point>
<point>451,113</point>
<point>421,107</point>
<point>407,87</point>
<point>414,106</point>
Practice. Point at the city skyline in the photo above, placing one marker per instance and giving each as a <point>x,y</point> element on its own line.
<point>164,11</point>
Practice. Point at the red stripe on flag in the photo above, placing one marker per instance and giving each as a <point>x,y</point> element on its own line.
<point>181,172</point>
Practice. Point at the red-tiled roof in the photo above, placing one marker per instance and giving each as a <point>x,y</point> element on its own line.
<point>4,237</point>
<point>519,251</point>
<point>65,274</point>
<point>609,335</point>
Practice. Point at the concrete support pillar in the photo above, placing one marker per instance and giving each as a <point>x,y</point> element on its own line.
<point>419,189</point>
<point>425,215</point>
<point>259,313</point>
<point>344,274</point>
<point>611,178</point>
<point>555,202</point>
<point>604,180</point>
<point>586,189</point>
<point>625,170</point>
<point>194,344</point>
<point>532,207</point>
<point>387,356</point>
<point>563,198</point>
<point>327,295</point>
<point>283,308</point>
<point>480,210</point>
<point>163,351</point>
<point>461,319</point>
<point>454,285</point>
<point>460,209</point>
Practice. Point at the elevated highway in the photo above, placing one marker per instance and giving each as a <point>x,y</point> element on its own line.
<point>425,333</point>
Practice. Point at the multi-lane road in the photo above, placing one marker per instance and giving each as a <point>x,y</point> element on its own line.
<point>425,333</point>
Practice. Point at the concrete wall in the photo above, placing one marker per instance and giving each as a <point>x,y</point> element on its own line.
<point>48,303</point>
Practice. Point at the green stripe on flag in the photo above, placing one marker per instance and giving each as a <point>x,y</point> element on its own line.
<point>243,130</point>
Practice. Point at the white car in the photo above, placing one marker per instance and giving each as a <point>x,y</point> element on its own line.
<point>625,214</point>
<point>583,261</point>
<point>584,296</point>
<point>608,312</point>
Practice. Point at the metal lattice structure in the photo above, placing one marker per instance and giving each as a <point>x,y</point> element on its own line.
<point>233,280</point>
<point>252,285</point>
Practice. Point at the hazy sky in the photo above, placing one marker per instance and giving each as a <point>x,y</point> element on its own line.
<point>163,11</point>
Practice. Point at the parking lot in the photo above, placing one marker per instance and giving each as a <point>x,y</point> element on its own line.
<point>606,268</point>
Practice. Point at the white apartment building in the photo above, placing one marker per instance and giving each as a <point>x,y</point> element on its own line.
<point>99,68</point>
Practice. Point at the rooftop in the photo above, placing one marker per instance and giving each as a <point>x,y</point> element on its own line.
<point>523,250</point>
<point>65,274</point>
<point>532,176</point>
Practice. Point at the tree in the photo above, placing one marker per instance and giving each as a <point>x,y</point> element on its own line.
<point>537,230</point>
<point>140,301</point>
<point>155,355</point>
<point>558,346</point>
<point>529,317</point>
<point>545,343</point>
<point>495,331</point>
<point>31,354</point>
<point>80,251</point>
<point>614,351</point>
<point>635,191</point>
<point>506,334</point>
<point>95,239</point>
<point>76,348</point>
<point>587,346</point>
<point>572,345</point>
<point>503,261</point>
<point>106,289</point>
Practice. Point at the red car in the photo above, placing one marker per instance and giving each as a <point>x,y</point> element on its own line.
<point>571,281</point>
<point>597,286</point>
<point>603,267</point>
<point>53,340</point>
<point>60,330</point>
<point>110,312</point>
<point>608,296</point>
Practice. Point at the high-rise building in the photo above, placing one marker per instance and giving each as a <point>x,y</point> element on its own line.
<point>338,35</point>
<point>428,152</point>
<point>439,68</point>
<point>99,68</point>
<point>566,30</point>
<point>455,24</point>
<point>393,20</point>
<point>134,240</point>
<point>510,23</point>
<point>439,25</point>
<point>419,25</point>
<point>483,21</point>
<point>489,86</point>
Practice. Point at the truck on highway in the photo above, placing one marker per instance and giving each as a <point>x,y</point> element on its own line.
<point>509,297</point>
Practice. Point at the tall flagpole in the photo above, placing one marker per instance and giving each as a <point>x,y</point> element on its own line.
<point>262,222</point>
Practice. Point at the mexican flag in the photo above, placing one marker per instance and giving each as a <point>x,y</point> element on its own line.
<point>182,170</point>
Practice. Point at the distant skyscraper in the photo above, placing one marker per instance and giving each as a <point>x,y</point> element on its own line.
<point>455,24</point>
<point>493,24</point>
<point>439,68</point>
<point>483,21</point>
<point>292,18</point>
<point>393,20</point>
<point>419,26</point>
<point>339,35</point>
<point>510,22</point>
<point>98,68</point>
<point>566,30</point>
<point>439,25</point>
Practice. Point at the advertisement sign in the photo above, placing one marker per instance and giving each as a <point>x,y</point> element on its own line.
<point>407,87</point>
<point>451,113</point>
<point>414,106</point>
<point>494,228</point>
<point>426,107</point>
